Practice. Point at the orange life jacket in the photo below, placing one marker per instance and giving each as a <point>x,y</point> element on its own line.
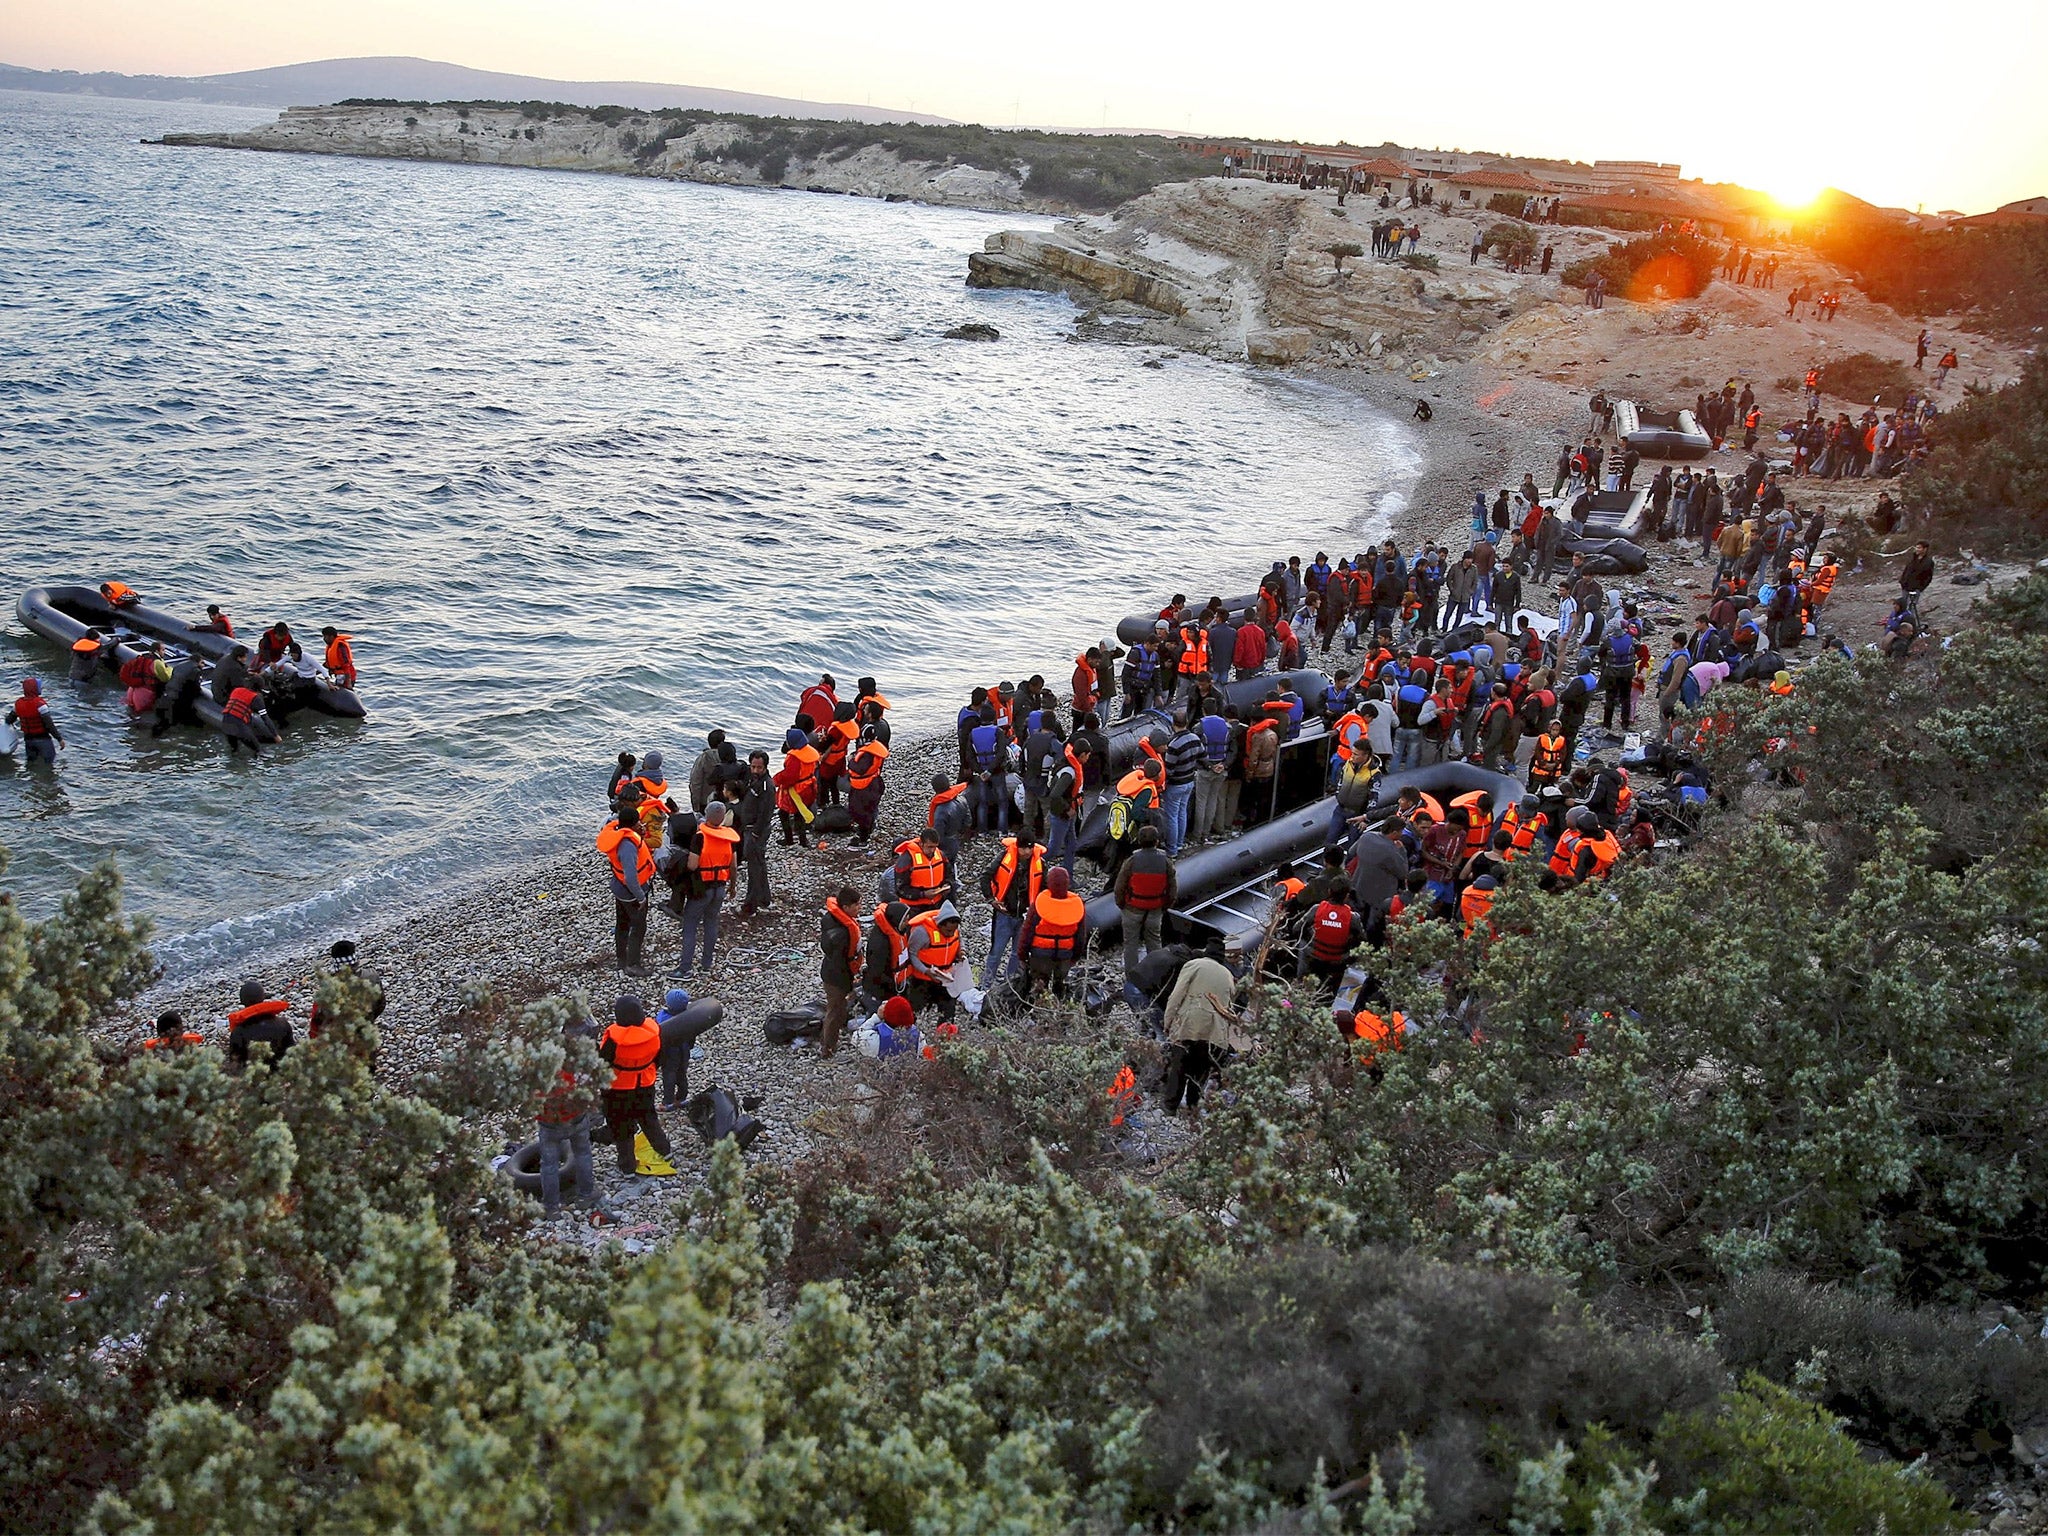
<point>1525,832</point>
<point>262,1010</point>
<point>240,703</point>
<point>1006,873</point>
<point>1564,858</point>
<point>119,593</point>
<point>611,838</point>
<point>1123,1093</point>
<point>1548,763</point>
<point>1058,929</point>
<point>1378,1034</point>
<point>1349,731</point>
<point>158,1042</point>
<point>931,815</point>
<point>1822,584</point>
<point>1194,653</point>
<point>921,936</point>
<point>1145,891</point>
<point>892,934</point>
<point>1473,906</point>
<point>866,766</point>
<point>1479,830</point>
<point>850,924</point>
<point>635,1049</point>
<point>1605,852</point>
<point>653,789</point>
<point>927,876</point>
<point>85,645</point>
<point>715,854</point>
<point>340,659</point>
<point>840,736</point>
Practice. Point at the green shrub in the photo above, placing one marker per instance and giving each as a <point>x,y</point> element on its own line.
<point>1986,482</point>
<point>1304,1362</point>
<point>1657,267</point>
<point>1916,1382</point>
<point>1419,261</point>
<point>1512,241</point>
<point>1769,1461</point>
<point>1864,376</point>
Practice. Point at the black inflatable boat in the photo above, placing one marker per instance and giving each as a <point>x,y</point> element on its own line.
<point>1228,889</point>
<point>62,615</point>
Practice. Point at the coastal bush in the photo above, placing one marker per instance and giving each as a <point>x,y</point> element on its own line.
<point>1986,482</point>
<point>1509,203</point>
<point>1999,272</point>
<point>1865,377</point>
<point>1342,249</point>
<point>1511,241</point>
<point>1655,268</point>
<point>298,1299</point>
<point>1914,1381</point>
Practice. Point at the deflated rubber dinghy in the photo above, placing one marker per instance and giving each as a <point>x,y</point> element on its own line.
<point>62,615</point>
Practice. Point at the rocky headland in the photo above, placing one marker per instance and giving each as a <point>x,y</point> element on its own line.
<point>961,168</point>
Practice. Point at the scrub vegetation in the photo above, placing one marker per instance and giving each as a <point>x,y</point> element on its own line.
<point>1986,483</point>
<point>1095,172</point>
<point>1699,1242</point>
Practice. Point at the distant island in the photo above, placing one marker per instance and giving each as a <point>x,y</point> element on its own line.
<point>323,82</point>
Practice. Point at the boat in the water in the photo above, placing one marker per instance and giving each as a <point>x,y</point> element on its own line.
<point>62,615</point>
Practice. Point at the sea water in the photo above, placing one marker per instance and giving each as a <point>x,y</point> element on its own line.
<point>584,463</point>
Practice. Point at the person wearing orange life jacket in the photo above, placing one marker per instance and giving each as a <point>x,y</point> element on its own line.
<point>31,716</point>
<point>1478,807</point>
<point>216,622</point>
<point>1137,802</point>
<point>340,658</point>
<point>119,594</point>
<point>631,1045</point>
<point>259,1025</point>
<point>1194,652</point>
<point>922,875</point>
<point>238,719</point>
<point>171,1034</point>
<point>883,956</point>
<point>1576,858</point>
<point>1145,886</point>
<point>1334,930</point>
<point>1376,1033</point>
<point>864,789</point>
<point>834,740</point>
<point>632,882</point>
<point>839,945</point>
<point>796,783</point>
<point>1055,933</point>
<point>1081,687</point>
<point>931,951</point>
<point>712,861</point>
<point>1524,823</point>
<point>1012,884</point>
<point>1546,767</point>
<point>273,645</point>
<point>86,652</point>
<point>1820,585</point>
<point>1475,903</point>
<point>870,704</point>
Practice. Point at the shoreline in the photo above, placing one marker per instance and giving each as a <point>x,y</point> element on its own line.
<point>543,925</point>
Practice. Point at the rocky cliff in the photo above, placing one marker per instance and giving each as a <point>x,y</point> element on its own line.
<point>625,144</point>
<point>1247,269</point>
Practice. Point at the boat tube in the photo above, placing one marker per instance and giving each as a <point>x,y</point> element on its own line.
<point>62,615</point>
<point>1606,556</point>
<point>1138,627</point>
<point>1660,434</point>
<point>1241,864</point>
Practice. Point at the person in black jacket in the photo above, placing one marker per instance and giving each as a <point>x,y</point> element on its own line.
<point>1918,573</point>
<point>756,819</point>
<point>261,1023</point>
<point>839,947</point>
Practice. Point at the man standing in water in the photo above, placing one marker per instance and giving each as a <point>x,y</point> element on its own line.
<point>30,715</point>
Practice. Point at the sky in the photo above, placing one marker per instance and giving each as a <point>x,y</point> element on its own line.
<point>1911,105</point>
